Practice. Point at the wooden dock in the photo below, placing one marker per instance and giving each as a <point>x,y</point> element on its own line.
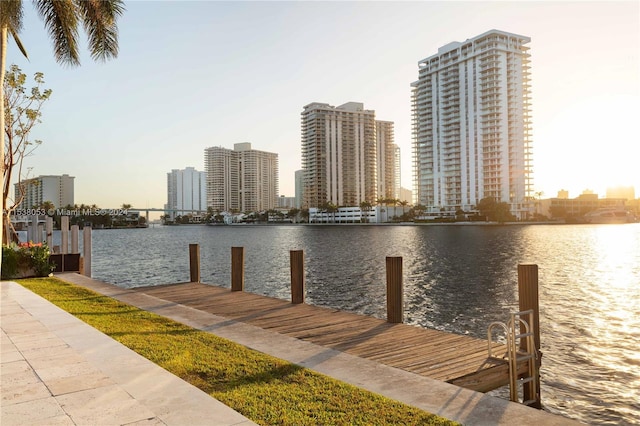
<point>460,360</point>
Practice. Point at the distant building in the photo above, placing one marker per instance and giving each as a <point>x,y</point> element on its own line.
<point>286,202</point>
<point>386,160</point>
<point>627,192</point>
<point>405,195</point>
<point>398,172</point>
<point>242,179</point>
<point>338,154</point>
<point>299,182</point>
<point>186,193</point>
<point>576,207</point>
<point>471,124</point>
<point>52,188</point>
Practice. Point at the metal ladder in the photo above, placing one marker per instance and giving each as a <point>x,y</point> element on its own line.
<point>519,350</point>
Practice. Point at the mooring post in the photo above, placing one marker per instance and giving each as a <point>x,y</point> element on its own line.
<point>194,263</point>
<point>40,233</point>
<point>395,304</point>
<point>296,258</point>
<point>32,229</point>
<point>528,299</point>
<point>64,234</point>
<point>75,229</point>
<point>86,248</point>
<point>49,231</point>
<point>237,268</point>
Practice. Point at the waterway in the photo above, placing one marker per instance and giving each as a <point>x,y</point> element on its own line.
<point>457,278</point>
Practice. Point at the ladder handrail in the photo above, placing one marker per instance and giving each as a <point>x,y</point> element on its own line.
<point>527,352</point>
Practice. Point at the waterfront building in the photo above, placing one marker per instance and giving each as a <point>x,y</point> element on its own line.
<point>565,207</point>
<point>338,154</point>
<point>299,188</point>
<point>55,189</point>
<point>242,179</point>
<point>186,193</point>
<point>351,214</point>
<point>398,172</point>
<point>471,124</point>
<point>386,160</point>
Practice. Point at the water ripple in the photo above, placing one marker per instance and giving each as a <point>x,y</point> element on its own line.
<point>457,279</point>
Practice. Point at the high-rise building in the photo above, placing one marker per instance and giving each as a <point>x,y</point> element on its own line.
<point>299,183</point>
<point>186,192</point>
<point>54,189</point>
<point>386,160</point>
<point>398,171</point>
<point>242,179</point>
<point>338,154</point>
<point>471,124</point>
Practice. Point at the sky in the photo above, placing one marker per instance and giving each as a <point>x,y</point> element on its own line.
<point>191,75</point>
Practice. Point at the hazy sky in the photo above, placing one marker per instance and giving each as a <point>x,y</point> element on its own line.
<point>191,75</point>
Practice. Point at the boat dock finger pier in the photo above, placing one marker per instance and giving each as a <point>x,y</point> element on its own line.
<point>460,360</point>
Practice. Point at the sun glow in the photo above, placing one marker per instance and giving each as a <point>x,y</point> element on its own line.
<point>590,145</point>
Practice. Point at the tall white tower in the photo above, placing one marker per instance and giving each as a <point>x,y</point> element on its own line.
<point>186,192</point>
<point>471,124</point>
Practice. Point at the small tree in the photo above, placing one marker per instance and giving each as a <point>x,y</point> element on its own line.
<point>22,113</point>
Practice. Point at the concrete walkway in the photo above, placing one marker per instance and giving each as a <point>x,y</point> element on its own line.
<point>455,403</point>
<point>57,370</point>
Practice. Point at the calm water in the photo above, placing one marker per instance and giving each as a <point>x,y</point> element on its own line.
<point>457,279</point>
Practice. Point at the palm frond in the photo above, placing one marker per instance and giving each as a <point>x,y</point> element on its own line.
<point>99,20</point>
<point>14,34</point>
<point>61,21</point>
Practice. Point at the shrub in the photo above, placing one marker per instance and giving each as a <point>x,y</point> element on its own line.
<point>26,260</point>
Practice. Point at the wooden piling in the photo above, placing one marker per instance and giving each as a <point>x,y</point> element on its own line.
<point>528,299</point>
<point>194,263</point>
<point>296,258</point>
<point>395,305</point>
<point>237,268</point>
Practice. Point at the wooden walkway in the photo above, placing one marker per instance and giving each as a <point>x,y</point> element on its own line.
<point>460,360</point>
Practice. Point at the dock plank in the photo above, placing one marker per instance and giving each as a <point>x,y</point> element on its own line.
<point>462,360</point>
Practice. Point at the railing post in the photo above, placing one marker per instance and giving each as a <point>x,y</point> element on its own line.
<point>237,268</point>
<point>86,248</point>
<point>296,260</point>
<point>194,263</point>
<point>528,299</point>
<point>395,304</point>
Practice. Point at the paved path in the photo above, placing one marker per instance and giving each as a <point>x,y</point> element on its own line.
<point>57,370</point>
<point>455,403</point>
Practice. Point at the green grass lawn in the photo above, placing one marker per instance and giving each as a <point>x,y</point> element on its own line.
<point>263,388</point>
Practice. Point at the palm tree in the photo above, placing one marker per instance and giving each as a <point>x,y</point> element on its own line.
<point>403,203</point>
<point>365,207</point>
<point>61,19</point>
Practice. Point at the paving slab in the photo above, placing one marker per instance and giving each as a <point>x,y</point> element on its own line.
<point>57,370</point>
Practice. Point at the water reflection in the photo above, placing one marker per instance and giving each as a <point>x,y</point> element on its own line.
<point>457,278</point>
